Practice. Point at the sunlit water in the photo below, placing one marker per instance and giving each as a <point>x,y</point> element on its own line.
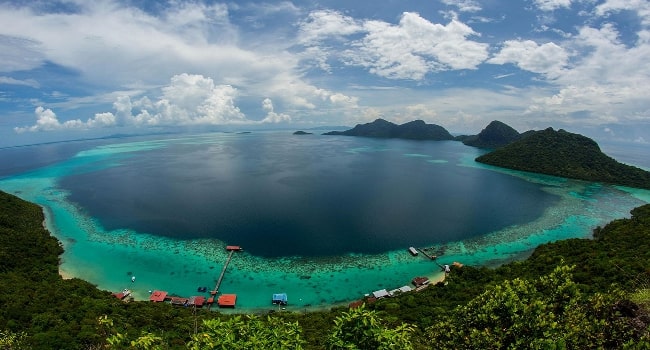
<point>325,219</point>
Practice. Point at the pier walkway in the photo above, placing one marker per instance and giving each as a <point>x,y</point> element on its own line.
<point>223,273</point>
<point>432,257</point>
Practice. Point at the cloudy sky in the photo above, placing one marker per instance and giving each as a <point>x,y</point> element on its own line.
<point>76,69</point>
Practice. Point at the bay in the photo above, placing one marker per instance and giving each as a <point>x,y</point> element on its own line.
<point>325,219</point>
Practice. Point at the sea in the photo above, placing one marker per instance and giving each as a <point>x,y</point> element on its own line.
<point>324,219</point>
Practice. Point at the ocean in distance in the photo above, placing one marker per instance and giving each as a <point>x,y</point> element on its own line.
<point>325,219</point>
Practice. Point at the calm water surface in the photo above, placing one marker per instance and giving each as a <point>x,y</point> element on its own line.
<point>290,195</point>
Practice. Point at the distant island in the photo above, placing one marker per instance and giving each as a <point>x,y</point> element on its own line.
<point>300,132</point>
<point>495,135</point>
<point>550,152</point>
<point>415,130</point>
<point>561,153</point>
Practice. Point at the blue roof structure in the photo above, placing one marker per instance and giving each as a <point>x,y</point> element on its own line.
<point>280,298</point>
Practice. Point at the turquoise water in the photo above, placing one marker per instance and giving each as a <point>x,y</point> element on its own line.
<point>108,258</point>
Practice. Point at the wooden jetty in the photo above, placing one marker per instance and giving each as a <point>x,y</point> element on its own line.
<point>231,250</point>
<point>432,257</point>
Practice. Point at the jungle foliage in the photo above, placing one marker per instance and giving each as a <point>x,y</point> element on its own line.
<point>598,301</point>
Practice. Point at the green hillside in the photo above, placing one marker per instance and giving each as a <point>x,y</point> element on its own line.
<point>561,153</point>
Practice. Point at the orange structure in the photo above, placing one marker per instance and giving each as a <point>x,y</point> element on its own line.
<point>227,300</point>
<point>158,296</point>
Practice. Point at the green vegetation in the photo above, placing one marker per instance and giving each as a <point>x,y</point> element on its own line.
<point>571,294</point>
<point>565,154</point>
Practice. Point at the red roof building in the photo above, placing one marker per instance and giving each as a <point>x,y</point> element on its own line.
<point>158,296</point>
<point>197,301</point>
<point>227,300</point>
<point>233,247</point>
<point>420,281</point>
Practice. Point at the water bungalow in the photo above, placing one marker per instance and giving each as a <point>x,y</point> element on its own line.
<point>382,293</point>
<point>197,301</point>
<point>158,296</point>
<point>279,299</point>
<point>179,301</point>
<point>234,248</point>
<point>420,281</point>
<point>227,300</point>
<point>123,294</point>
<point>400,290</point>
<point>413,251</point>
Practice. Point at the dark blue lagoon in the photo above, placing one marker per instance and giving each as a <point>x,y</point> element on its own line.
<point>311,196</point>
<point>325,219</point>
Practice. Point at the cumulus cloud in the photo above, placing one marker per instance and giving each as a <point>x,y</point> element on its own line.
<point>550,5</point>
<point>610,79</point>
<point>271,116</point>
<point>189,99</point>
<point>548,58</point>
<point>341,99</point>
<point>415,47</point>
<point>46,120</point>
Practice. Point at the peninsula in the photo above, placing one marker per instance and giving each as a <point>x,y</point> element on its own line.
<point>565,154</point>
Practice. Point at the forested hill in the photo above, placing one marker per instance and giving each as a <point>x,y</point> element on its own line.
<point>495,135</point>
<point>415,130</point>
<point>561,153</point>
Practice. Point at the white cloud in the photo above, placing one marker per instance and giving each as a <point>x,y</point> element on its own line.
<point>549,58</point>
<point>18,53</point>
<point>641,7</point>
<point>27,82</point>
<point>609,79</point>
<point>189,99</point>
<point>416,47</point>
<point>271,116</point>
<point>550,5</point>
<point>341,99</point>
<point>327,24</point>
<point>46,120</point>
<point>109,44</point>
<point>464,5</point>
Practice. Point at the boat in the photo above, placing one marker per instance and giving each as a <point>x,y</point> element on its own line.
<point>413,251</point>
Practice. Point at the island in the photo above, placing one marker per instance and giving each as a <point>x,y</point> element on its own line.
<point>415,130</point>
<point>565,154</point>
<point>495,135</point>
<point>300,132</point>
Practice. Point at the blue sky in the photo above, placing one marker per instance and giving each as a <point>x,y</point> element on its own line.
<point>77,69</point>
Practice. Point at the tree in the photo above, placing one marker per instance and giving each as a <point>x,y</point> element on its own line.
<point>362,329</point>
<point>549,313</point>
<point>12,341</point>
<point>250,332</point>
